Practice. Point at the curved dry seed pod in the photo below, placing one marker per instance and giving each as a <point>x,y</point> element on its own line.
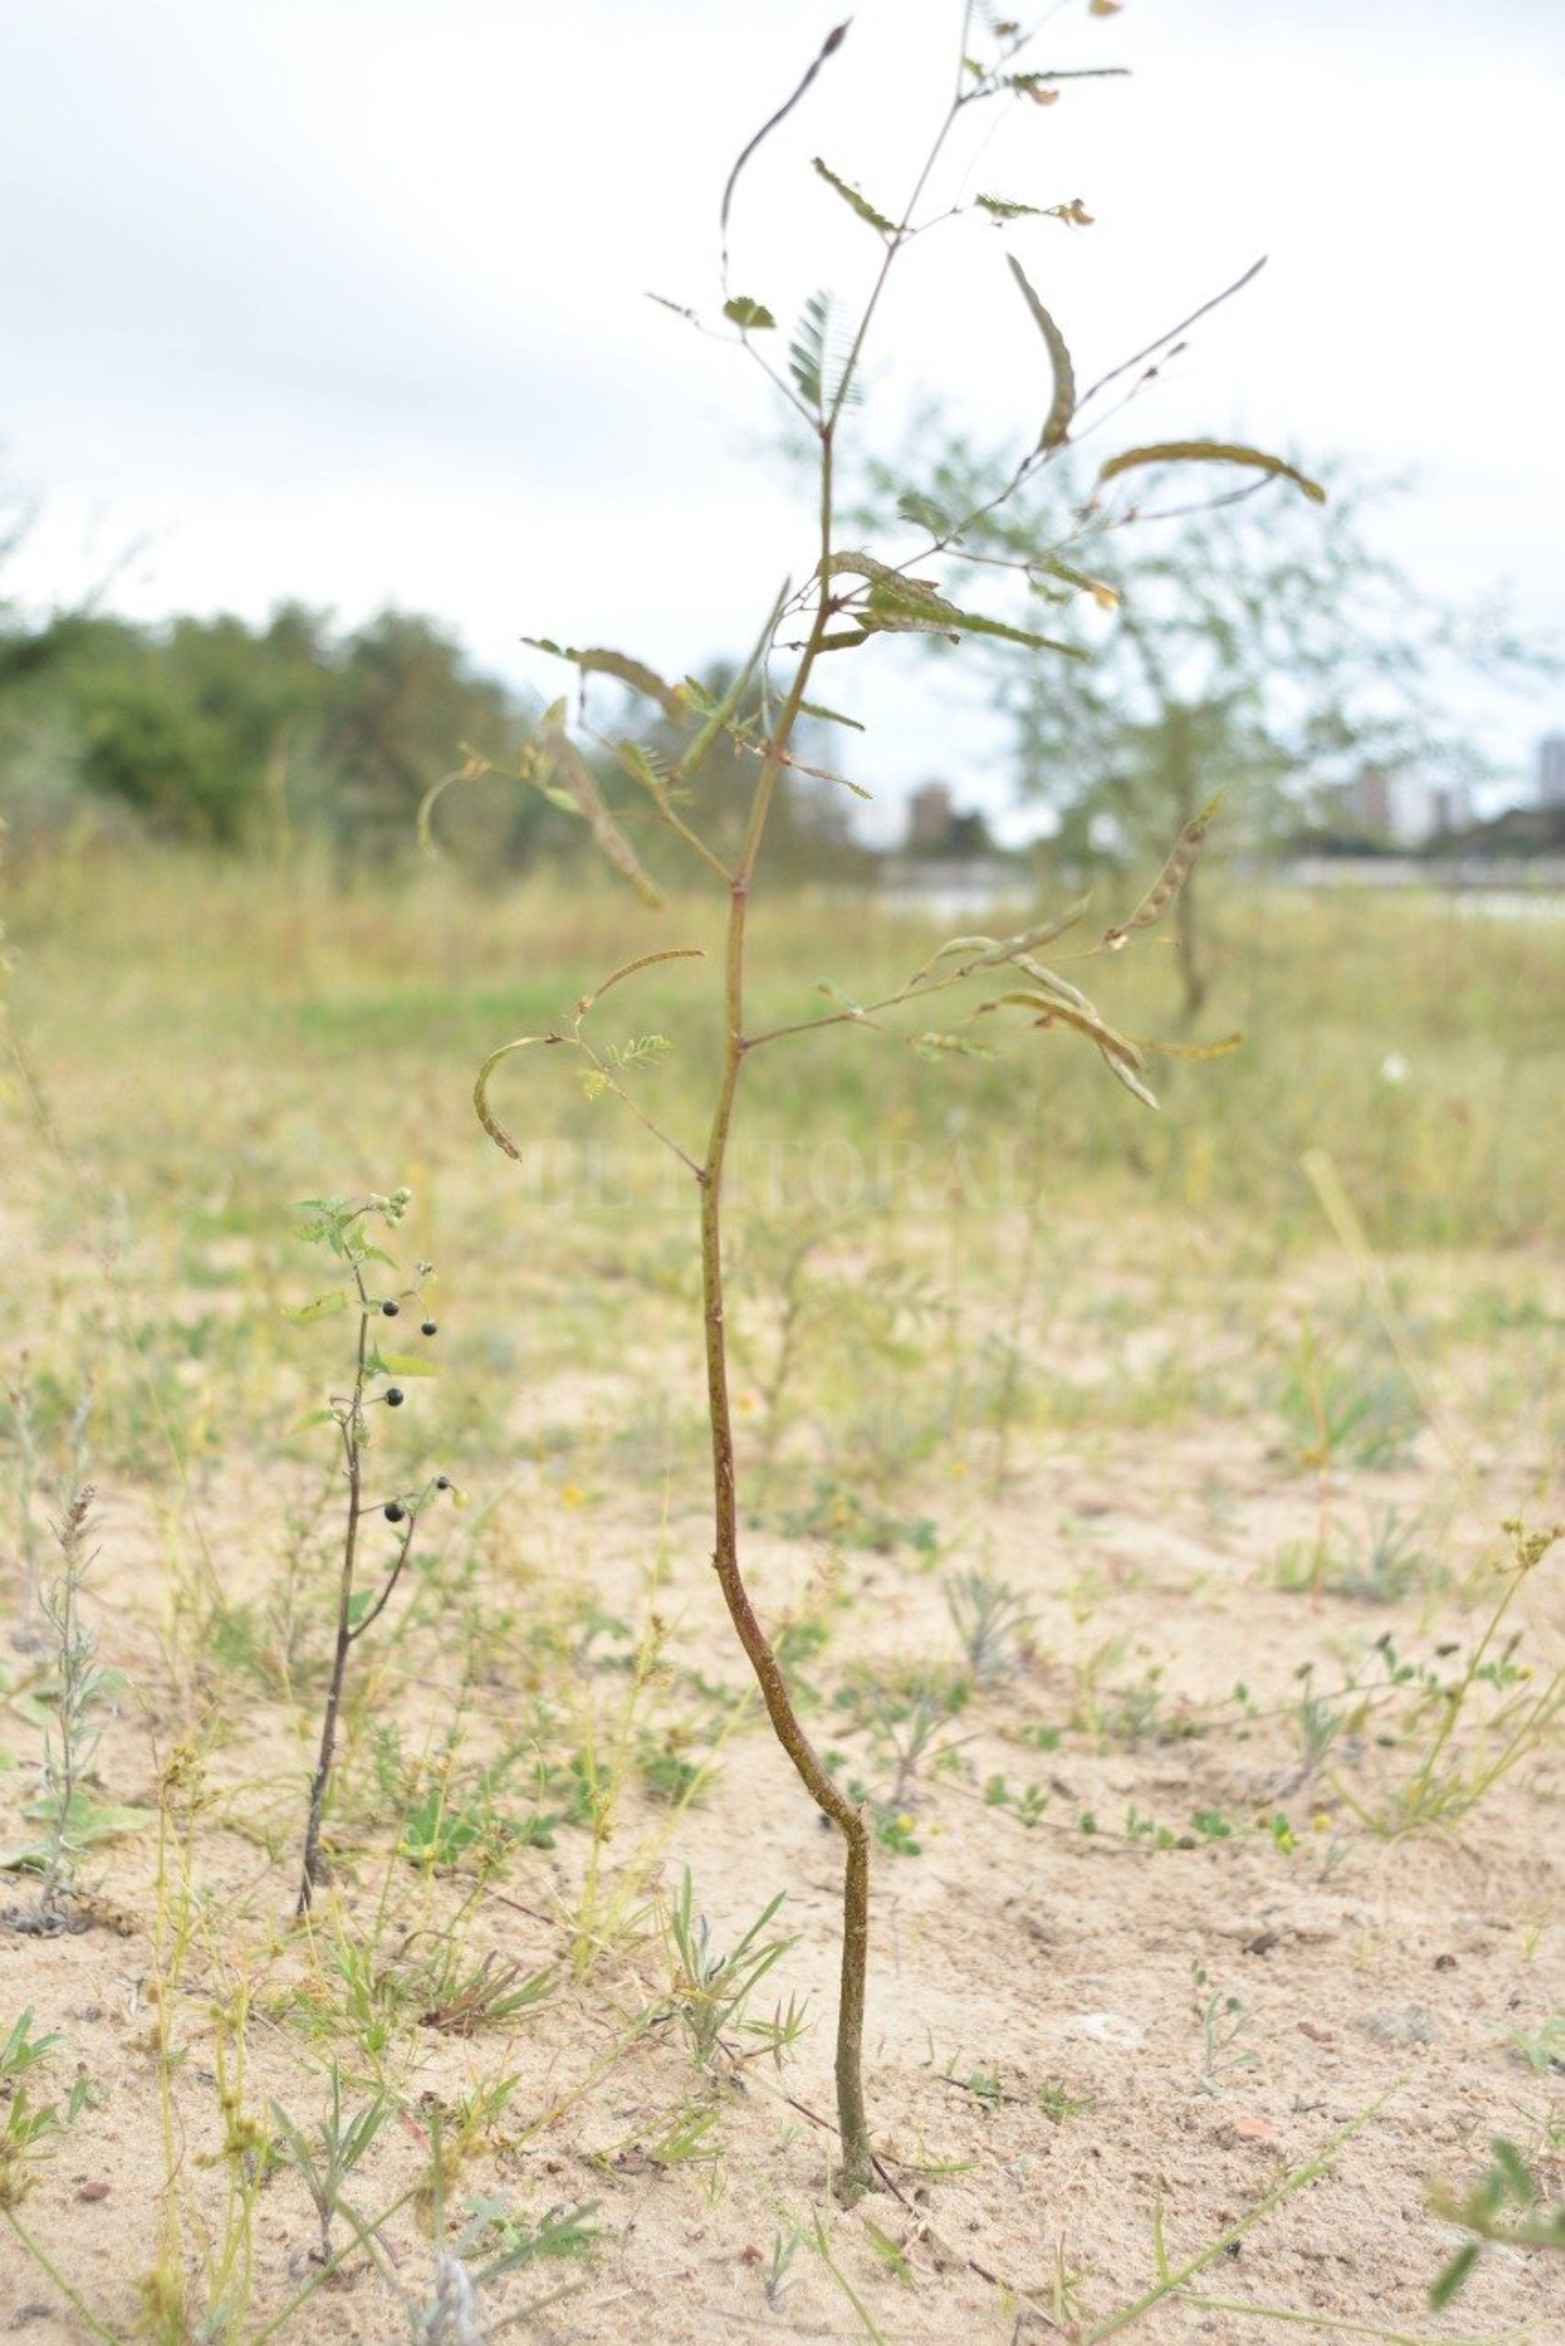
<point>495,1130</point>
<point>1043,933</point>
<point>1211,452</point>
<point>473,769</point>
<point>628,969</point>
<point>1042,975</point>
<point>1218,1049</point>
<point>1063,405</point>
<point>1171,878</point>
<point>833,41</point>
<point>1054,1011</point>
<point>1129,1078</point>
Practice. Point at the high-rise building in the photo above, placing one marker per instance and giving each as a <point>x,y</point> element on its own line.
<point>1551,770</point>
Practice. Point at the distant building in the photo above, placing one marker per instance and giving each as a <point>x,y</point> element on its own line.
<point>936,825</point>
<point>1551,770</point>
<point>1396,808</point>
<point>929,814</point>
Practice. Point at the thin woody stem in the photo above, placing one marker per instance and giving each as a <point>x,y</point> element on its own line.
<point>858,2168</point>
<point>314,1869</point>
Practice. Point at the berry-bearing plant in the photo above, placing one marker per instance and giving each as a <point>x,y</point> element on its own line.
<point>369,1290</point>
<point>849,599</point>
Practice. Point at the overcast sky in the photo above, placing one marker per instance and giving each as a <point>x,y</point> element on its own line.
<point>343,300</point>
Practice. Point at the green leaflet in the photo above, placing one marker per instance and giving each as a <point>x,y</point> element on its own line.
<point>808,359</point>
<point>749,316</point>
<point>1001,208</point>
<point>400,1364</point>
<point>318,1309</point>
<point>857,202</point>
<point>974,623</point>
<point>826,716</point>
<point>925,514</point>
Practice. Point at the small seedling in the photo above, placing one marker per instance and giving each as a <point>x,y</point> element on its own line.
<point>991,1620</point>
<point>71,1817</point>
<point>711,1991</point>
<point>1505,2207</point>
<point>1444,1785</point>
<point>785,2247</point>
<point>1543,2049</point>
<point>1222,2021</point>
<point>28,2125</point>
<point>1029,1806</point>
<point>341,1225</point>
<point>1057,2100</point>
<point>326,2158</point>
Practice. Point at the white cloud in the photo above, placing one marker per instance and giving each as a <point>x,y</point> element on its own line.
<point>343,298</point>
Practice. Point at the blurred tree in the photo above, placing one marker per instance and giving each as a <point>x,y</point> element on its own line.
<point>216,733</point>
<point>402,702</point>
<point>1252,643</point>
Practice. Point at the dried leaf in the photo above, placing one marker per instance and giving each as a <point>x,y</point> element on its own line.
<point>580,791</point>
<point>596,661</point>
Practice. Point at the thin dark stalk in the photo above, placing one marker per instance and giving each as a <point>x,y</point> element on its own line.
<point>315,1871</point>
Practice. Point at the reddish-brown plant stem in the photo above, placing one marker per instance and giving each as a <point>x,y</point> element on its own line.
<point>857,2173</point>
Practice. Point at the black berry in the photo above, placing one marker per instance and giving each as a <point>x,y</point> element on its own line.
<point>395,1397</point>
<point>394,1511</point>
<point>390,1309</point>
<point>442,1482</point>
<point>429,1328</point>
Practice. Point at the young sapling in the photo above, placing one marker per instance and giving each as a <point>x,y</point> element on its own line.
<point>342,1226</point>
<point>849,598</point>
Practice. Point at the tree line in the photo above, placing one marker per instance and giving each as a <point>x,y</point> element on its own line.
<point>256,739</point>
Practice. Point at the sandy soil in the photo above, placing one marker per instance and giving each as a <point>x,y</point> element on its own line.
<point>1174,1984</point>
